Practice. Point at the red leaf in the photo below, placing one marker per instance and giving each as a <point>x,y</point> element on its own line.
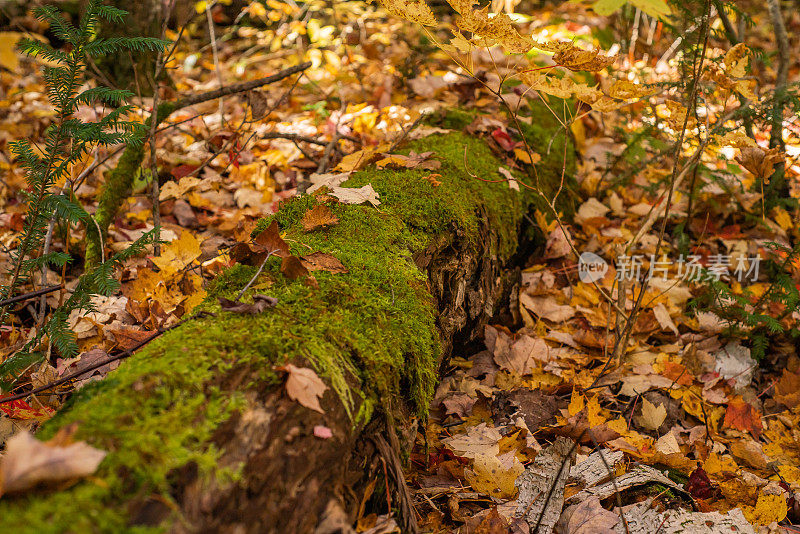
<point>503,139</point>
<point>183,170</point>
<point>701,487</point>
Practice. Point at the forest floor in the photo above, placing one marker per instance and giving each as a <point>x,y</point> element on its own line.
<point>693,426</point>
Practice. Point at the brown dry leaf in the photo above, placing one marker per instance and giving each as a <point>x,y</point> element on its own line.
<point>761,163</point>
<point>459,404</point>
<point>304,386</point>
<point>412,161</point>
<point>558,243</point>
<point>271,241</point>
<point>787,389</point>
<point>750,452</point>
<point>293,268</point>
<point>260,303</point>
<point>128,338</point>
<point>588,517</point>
<point>321,261</point>
<point>546,307</point>
<point>28,462</point>
<point>318,217</point>
<point>625,90</point>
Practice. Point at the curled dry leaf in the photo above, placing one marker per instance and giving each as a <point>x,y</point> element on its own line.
<point>29,462</point>
<point>761,163</point>
<point>304,386</point>
<point>260,303</point>
<point>293,268</point>
<point>321,261</point>
<point>412,161</point>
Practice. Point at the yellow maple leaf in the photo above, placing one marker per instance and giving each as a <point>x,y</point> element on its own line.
<point>495,28</point>
<point>768,509</point>
<point>413,10</point>
<point>178,254</point>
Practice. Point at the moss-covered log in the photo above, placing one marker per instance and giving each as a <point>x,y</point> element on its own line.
<point>200,433</point>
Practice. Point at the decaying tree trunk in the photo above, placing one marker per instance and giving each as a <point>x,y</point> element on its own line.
<point>201,434</point>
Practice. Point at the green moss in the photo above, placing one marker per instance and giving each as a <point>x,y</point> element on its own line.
<point>371,332</point>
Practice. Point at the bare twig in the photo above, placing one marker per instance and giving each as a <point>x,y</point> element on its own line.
<point>30,295</point>
<point>776,134</point>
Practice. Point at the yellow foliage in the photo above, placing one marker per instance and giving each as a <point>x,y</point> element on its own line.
<point>498,28</point>
<point>768,509</point>
<point>413,10</point>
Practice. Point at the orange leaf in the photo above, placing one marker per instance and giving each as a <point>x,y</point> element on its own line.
<point>742,416</point>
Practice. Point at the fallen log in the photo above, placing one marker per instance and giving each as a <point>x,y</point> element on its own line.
<point>200,433</point>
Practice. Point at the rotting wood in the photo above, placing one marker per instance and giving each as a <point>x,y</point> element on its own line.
<point>209,442</point>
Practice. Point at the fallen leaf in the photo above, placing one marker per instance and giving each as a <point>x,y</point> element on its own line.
<point>304,386</point>
<point>742,416</point>
<point>28,462</point>
<point>459,404</point>
<point>178,254</point>
<point>495,475</point>
<point>412,161</point>
<point>359,195</point>
<point>546,308</point>
<point>8,52</point>
<point>652,416</point>
<point>663,318</point>
<point>293,268</point>
<point>587,517</point>
<point>318,217</point>
<point>321,261</point>
<point>700,486</point>
<point>260,304</point>
<point>768,509</point>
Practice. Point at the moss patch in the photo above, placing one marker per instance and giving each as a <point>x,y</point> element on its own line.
<point>373,327</point>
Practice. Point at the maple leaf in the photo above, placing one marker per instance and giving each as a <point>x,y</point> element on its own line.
<point>178,254</point>
<point>652,415</point>
<point>497,28</point>
<point>318,217</point>
<point>304,386</point>
<point>412,10</point>
<point>761,163</point>
<point>28,462</point>
<point>742,416</point>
